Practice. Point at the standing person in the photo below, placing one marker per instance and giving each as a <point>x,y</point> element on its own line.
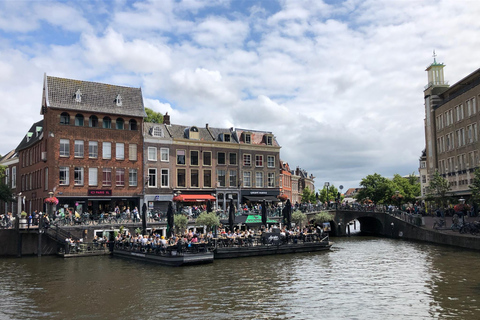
<point>29,220</point>
<point>127,213</point>
<point>136,214</point>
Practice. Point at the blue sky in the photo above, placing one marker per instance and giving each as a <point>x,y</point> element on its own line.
<point>339,83</point>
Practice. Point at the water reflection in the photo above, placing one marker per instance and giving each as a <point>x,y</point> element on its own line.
<point>361,278</point>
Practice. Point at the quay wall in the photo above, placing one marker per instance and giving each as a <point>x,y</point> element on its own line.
<point>18,244</point>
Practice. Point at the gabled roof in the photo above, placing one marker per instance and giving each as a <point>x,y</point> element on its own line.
<point>89,96</point>
<point>33,135</point>
<point>8,157</point>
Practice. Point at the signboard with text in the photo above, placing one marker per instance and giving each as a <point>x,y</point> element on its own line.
<point>99,192</point>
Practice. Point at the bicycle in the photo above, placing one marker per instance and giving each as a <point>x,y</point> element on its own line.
<point>440,223</point>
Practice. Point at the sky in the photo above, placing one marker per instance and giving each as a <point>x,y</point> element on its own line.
<point>339,83</point>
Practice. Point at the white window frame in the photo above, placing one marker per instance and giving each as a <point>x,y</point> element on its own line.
<point>271,161</point>
<point>93,149</point>
<point>258,179</point>
<point>152,172</point>
<point>152,154</point>
<point>66,181</point>
<point>164,178</point>
<point>93,176</point>
<point>247,160</point>
<point>105,182</point>
<point>78,176</point>
<point>79,149</point>
<point>120,151</point>
<point>259,159</point>
<point>164,154</point>
<point>14,177</point>
<point>132,152</point>
<point>247,179</point>
<point>106,150</point>
<point>64,148</point>
<point>120,173</point>
<point>132,177</point>
<point>271,179</point>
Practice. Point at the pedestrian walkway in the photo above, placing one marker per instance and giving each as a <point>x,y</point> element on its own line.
<point>429,221</point>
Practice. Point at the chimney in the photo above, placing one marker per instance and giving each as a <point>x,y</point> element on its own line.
<point>166,119</point>
<point>206,125</point>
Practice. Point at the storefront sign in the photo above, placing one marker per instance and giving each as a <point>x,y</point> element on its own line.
<point>258,192</point>
<point>99,192</point>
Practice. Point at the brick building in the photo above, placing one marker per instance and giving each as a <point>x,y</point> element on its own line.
<point>87,150</point>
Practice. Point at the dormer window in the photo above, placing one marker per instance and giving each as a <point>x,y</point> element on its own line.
<point>157,132</point>
<point>118,100</point>
<point>78,96</point>
<point>248,138</point>
<point>193,133</point>
<point>226,137</point>
<point>268,140</point>
<point>29,136</point>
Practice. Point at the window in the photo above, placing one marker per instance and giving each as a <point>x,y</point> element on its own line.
<point>78,149</point>
<point>64,148</point>
<point>233,178</point>
<point>258,160</point>
<point>152,154</point>
<point>226,137</point>
<point>152,177</point>
<point>180,156</point>
<point>248,138</point>
<point>79,120</point>
<point>120,177</point>
<point>271,161</point>
<point>181,178</point>
<point>120,151</point>
<point>92,149</point>
<point>194,158</point>
<point>119,124</point>
<point>259,179</point>
<point>232,158</point>
<point>107,177</point>
<point>207,158</point>
<point>132,125</point>
<point>92,176</point>
<point>132,152</point>
<point>221,158</point>
<point>78,96</point>
<point>221,178</point>
<point>118,100</point>
<point>461,137</point>
<point>93,121</point>
<point>64,176</point>
<point>194,178</point>
<point>107,123</point>
<point>64,118</point>
<point>164,154</point>
<point>269,140</point>
<point>247,179</point>
<point>157,132</point>
<point>247,160</point>
<point>106,150</point>
<point>132,177</point>
<point>78,176</point>
<point>271,179</point>
<point>471,107</point>
<point>207,178</point>
<point>165,183</point>
<point>14,177</point>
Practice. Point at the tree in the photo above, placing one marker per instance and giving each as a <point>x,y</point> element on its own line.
<point>299,218</point>
<point>308,195</point>
<point>6,193</point>
<point>322,217</point>
<point>408,188</point>
<point>209,219</point>
<point>438,188</point>
<point>152,116</point>
<point>475,186</point>
<point>332,194</point>
<point>376,188</point>
<point>180,222</point>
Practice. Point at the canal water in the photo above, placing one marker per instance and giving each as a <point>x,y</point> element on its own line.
<point>360,278</point>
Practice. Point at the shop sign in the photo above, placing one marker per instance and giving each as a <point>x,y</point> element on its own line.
<point>99,192</point>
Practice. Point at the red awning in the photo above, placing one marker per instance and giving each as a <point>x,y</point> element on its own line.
<point>193,197</point>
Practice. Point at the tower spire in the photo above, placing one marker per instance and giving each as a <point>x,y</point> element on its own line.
<point>434,57</point>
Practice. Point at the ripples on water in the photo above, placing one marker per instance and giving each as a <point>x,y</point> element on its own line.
<point>361,278</point>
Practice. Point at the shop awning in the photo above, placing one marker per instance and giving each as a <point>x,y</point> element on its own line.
<point>261,198</point>
<point>193,197</point>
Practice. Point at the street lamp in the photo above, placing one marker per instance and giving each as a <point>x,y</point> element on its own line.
<point>327,184</point>
<point>462,201</point>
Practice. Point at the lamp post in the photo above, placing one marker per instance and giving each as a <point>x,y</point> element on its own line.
<point>327,184</point>
<point>462,201</point>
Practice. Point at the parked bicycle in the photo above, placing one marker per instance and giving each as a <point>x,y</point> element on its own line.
<point>438,224</point>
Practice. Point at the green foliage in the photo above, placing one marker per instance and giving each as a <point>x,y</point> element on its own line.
<point>152,116</point>
<point>308,195</point>
<point>209,219</point>
<point>6,194</point>
<point>332,194</point>
<point>138,231</point>
<point>376,188</point>
<point>475,186</point>
<point>438,188</point>
<point>299,218</point>
<point>408,188</point>
<point>180,222</point>
<point>322,217</point>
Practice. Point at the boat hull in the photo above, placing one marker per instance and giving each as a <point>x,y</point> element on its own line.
<point>176,260</point>
<point>263,250</point>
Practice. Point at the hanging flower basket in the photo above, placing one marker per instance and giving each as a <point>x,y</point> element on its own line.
<point>461,207</point>
<point>282,197</point>
<point>51,200</point>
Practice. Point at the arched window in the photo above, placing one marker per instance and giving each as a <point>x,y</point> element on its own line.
<point>120,124</point>
<point>107,123</point>
<point>132,125</point>
<point>79,120</point>
<point>64,118</point>
<point>93,122</point>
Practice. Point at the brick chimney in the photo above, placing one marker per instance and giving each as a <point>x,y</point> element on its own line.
<point>166,119</point>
